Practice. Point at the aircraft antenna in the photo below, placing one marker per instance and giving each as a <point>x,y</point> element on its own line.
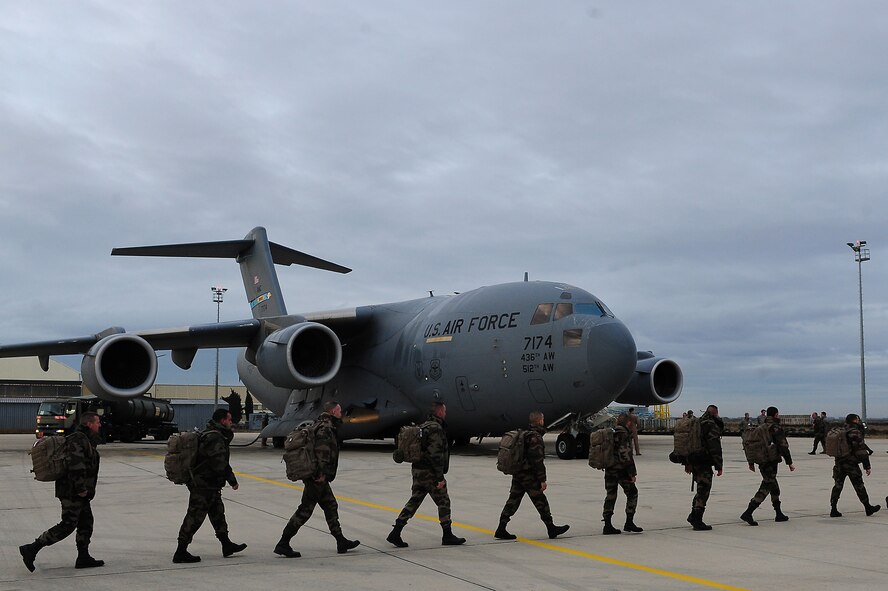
<point>525,277</point>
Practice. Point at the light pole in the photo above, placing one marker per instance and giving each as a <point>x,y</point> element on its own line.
<point>861,255</point>
<point>218,293</point>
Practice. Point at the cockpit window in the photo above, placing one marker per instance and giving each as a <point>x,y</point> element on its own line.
<point>562,310</point>
<point>596,309</point>
<point>573,337</point>
<point>542,314</point>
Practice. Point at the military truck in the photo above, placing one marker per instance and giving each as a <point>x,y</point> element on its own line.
<point>127,420</point>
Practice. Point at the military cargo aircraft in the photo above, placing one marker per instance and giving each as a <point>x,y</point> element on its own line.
<point>492,354</point>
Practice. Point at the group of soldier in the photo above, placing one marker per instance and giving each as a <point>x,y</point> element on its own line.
<point>212,471</point>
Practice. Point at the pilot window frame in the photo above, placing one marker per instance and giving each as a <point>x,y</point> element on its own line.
<point>542,314</point>
<point>563,310</point>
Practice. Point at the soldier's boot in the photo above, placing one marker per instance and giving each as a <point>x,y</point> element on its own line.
<point>747,515</point>
<point>691,516</point>
<point>697,522</point>
<point>84,560</point>
<point>343,544</point>
<point>29,553</point>
<point>834,510</point>
<point>229,547</point>
<point>555,530</point>
<point>870,509</point>
<point>779,516</point>
<point>813,453</point>
<point>283,546</point>
<point>182,555</point>
<point>448,539</point>
<point>630,526</point>
<point>502,534</point>
<point>609,529</point>
<point>394,537</point>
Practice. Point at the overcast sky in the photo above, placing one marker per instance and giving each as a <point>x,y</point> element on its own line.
<point>697,165</point>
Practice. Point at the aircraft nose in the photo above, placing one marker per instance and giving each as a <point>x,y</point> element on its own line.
<point>612,356</point>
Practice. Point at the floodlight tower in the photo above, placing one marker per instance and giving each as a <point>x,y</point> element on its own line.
<point>218,293</point>
<point>861,255</point>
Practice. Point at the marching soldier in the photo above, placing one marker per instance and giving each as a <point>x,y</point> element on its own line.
<point>428,479</point>
<point>622,474</point>
<point>531,480</point>
<point>769,485</point>
<point>209,475</point>
<point>700,466</point>
<point>75,491</point>
<point>317,490</point>
<point>849,466</point>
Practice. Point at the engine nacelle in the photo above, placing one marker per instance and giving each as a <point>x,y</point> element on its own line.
<point>656,381</point>
<point>304,355</point>
<point>119,366</point>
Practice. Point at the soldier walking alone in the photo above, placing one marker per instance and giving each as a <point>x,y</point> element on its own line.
<point>428,479</point>
<point>317,490</point>
<point>75,491</point>
<point>849,465</point>
<point>209,475</point>
<point>768,470</point>
<point>622,474</point>
<point>531,480</point>
<point>701,465</point>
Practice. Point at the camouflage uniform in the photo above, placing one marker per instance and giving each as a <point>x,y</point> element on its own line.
<point>212,470</point>
<point>769,485</point>
<point>850,466</point>
<point>711,429</point>
<point>83,473</point>
<point>326,448</point>
<point>620,474</point>
<point>819,433</point>
<point>428,472</point>
<point>530,479</point>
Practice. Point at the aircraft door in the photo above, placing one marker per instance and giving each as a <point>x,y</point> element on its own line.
<point>465,395</point>
<point>539,391</point>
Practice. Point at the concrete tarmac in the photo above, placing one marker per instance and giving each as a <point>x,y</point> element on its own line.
<point>138,513</point>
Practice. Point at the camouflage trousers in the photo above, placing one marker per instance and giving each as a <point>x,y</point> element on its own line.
<point>203,502</point>
<point>852,471</point>
<point>612,479</point>
<point>768,486</point>
<point>315,494</point>
<point>703,481</point>
<point>76,515</point>
<point>530,486</point>
<point>424,483</point>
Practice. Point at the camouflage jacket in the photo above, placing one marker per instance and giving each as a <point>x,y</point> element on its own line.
<point>711,429</point>
<point>779,439</point>
<point>212,468</point>
<point>623,451</point>
<point>534,454</point>
<point>859,448</point>
<point>435,448</point>
<point>326,445</point>
<point>83,466</point>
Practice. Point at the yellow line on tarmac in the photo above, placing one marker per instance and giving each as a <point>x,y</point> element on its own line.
<point>579,553</point>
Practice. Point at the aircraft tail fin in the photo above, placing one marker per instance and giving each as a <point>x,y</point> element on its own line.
<point>256,256</point>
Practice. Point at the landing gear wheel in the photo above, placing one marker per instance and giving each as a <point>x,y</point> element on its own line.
<point>566,446</point>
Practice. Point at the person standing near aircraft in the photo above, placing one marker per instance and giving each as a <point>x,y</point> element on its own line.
<point>530,481</point>
<point>700,466</point>
<point>209,475</point>
<point>75,492</point>
<point>632,425</point>
<point>317,490</point>
<point>818,423</point>
<point>768,470</point>
<point>428,479</point>
<point>849,466</point>
<point>623,474</point>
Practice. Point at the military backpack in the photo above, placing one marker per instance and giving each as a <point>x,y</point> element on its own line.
<point>409,444</point>
<point>601,449</point>
<point>758,445</point>
<point>837,445</point>
<point>299,454</point>
<point>510,457</point>
<point>687,441</point>
<point>49,458</point>
<point>181,456</point>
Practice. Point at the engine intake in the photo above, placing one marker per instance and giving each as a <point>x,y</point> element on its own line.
<point>656,381</point>
<point>119,366</point>
<point>303,355</point>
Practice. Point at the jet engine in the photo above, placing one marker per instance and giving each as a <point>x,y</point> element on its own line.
<point>303,355</point>
<point>119,366</point>
<point>656,381</point>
